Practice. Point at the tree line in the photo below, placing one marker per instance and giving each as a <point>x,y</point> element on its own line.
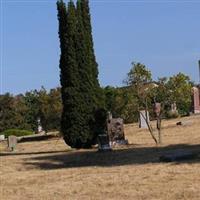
<point>22,111</point>
<point>141,92</point>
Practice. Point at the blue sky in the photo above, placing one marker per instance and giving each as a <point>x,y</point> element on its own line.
<point>163,35</point>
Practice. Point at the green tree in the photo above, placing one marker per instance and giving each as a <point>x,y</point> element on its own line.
<point>139,80</point>
<point>13,112</point>
<point>85,34</point>
<point>20,109</point>
<point>84,11</point>
<point>77,82</point>
<point>6,112</point>
<point>32,114</point>
<point>71,121</point>
<point>50,108</point>
<point>180,88</point>
<point>138,74</point>
<point>55,103</point>
<point>110,94</point>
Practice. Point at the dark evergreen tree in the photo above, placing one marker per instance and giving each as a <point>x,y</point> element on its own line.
<point>69,77</point>
<point>83,5</point>
<point>86,76</point>
<point>77,82</point>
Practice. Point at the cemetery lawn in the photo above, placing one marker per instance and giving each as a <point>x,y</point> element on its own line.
<point>49,170</point>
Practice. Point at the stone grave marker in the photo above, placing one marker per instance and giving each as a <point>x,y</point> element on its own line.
<point>39,126</point>
<point>157,108</point>
<point>2,137</point>
<point>103,143</point>
<point>196,100</point>
<point>12,142</point>
<point>174,108</point>
<point>115,127</point>
<point>142,120</point>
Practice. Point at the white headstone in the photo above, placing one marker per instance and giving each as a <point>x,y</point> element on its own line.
<point>39,126</point>
<point>12,142</point>
<point>143,117</point>
<point>2,137</point>
<point>39,129</point>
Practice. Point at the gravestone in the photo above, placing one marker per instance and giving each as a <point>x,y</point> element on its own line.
<point>12,142</point>
<point>39,126</point>
<point>109,115</point>
<point>2,137</point>
<point>157,109</point>
<point>115,127</point>
<point>174,108</point>
<point>103,143</point>
<point>142,120</point>
<point>196,100</point>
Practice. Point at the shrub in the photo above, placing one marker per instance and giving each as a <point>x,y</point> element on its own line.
<point>16,132</point>
<point>171,115</point>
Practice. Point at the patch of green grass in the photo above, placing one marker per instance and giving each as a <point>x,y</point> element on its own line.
<point>16,132</point>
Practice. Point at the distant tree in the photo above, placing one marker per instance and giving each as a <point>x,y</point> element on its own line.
<point>13,112</point>
<point>180,87</point>
<point>110,94</point>
<point>6,112</point>
<point>55,103</point>
<point>138,74</point>
<point>50,108</point>
<point>32,114</point>
<point>121,102</point>
<point>139,79</point>
<point>20,109</point>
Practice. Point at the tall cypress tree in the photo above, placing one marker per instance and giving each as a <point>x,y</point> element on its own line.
<point>78,76</point>
<point>86,20</point>
<point>69,75</point>
<point>87,27</point>
<point>86,77</point>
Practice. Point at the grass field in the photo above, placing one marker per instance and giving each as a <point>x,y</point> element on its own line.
<point>49,170</point>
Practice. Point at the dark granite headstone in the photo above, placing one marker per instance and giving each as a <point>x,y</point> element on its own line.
<point>103,143</point>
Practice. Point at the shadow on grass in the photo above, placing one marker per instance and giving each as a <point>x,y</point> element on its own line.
<point>128,156</point>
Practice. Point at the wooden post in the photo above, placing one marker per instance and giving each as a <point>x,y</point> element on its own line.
<point>157,110</point>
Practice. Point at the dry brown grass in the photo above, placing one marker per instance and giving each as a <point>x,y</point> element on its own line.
<point>50,170</point>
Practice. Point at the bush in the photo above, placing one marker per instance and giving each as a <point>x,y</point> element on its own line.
<point>171,115</point>
<point>16,132</point>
